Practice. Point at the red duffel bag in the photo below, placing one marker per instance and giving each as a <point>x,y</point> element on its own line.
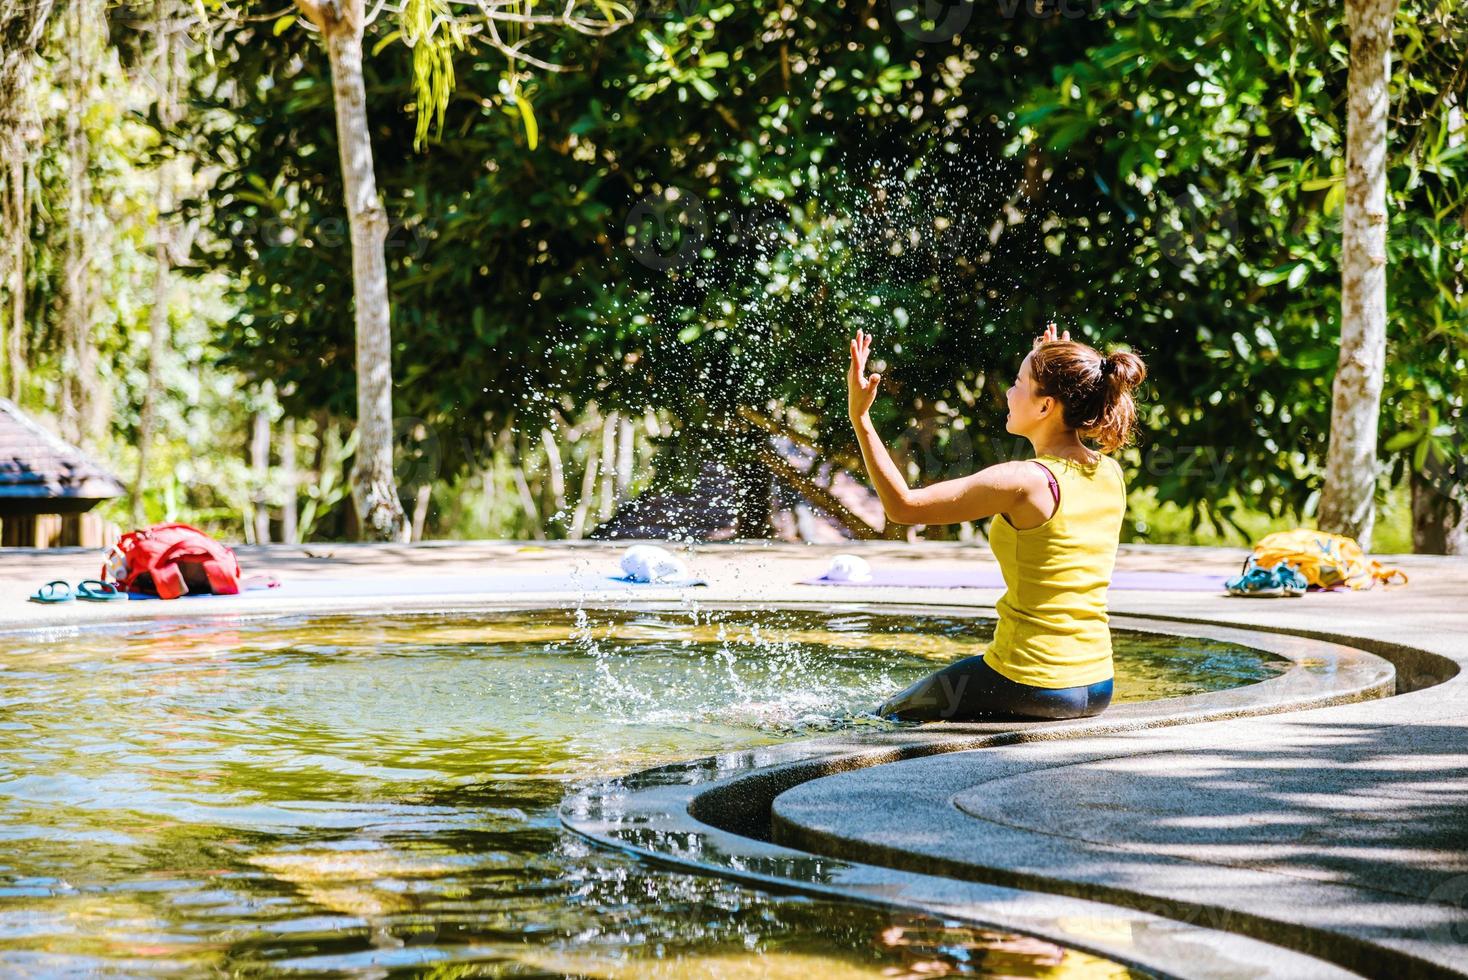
<point>170,560</point>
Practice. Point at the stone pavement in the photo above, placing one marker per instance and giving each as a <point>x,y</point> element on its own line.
<point>1339,831</point>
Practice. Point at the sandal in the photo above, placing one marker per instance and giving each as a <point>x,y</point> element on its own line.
<point>53,592</point>
<point>1290,579</point>
<point>96,590</point>
<point>1256,582</point>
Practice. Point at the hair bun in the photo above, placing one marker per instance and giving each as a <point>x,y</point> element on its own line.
<point>1126,367</point>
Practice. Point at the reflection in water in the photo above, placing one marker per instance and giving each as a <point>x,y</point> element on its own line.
<point>350,795</point>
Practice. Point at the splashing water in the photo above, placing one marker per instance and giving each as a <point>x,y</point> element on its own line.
<point>706,670</point>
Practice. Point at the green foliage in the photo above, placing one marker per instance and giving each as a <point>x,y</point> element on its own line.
<point>1167,180</point>
<point>435,37</point>
<point>1225,128</point>
<point>330,487</point>
<point>721,194</point>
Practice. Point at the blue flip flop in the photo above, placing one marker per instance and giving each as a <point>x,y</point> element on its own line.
<point>53,592</point>
<point>96,590</point>
<point>1256,582</point>
<point>1290,579</point>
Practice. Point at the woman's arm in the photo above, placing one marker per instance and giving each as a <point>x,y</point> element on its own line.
<point>885,476</point>
<point>996,489</point>
<point>991,491</point>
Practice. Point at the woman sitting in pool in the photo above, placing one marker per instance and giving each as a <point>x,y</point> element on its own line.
<point>1055,534</point>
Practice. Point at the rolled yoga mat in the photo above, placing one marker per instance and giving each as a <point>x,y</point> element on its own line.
<point>983,578</point>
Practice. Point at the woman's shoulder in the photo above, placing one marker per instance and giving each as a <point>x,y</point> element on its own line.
<point>1089,465</point>
<point>1088,470</point>
<point>1015,473</point>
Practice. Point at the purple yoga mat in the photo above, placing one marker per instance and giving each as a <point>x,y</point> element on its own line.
<point>420,585</point>
<point>983,578</point>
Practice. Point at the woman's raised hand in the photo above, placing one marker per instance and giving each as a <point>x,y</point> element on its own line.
<point>861,390</point>
<point>1049,335</point>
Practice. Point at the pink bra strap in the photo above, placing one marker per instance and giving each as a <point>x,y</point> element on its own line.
<point>1054,487</point>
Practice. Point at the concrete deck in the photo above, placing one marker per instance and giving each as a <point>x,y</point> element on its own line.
<point>1341,831</point>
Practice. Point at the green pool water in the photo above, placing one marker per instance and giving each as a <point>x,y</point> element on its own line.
<point>376,795</point>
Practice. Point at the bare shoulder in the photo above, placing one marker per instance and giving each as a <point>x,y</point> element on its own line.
<point>1018,475</point>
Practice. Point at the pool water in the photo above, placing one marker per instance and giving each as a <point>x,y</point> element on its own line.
<point>376,795</point>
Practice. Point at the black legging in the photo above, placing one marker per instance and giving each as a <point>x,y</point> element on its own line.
<point>970,689</point>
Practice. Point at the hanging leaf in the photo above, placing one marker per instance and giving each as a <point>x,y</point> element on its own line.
<point>386,42</point>
<point>1401,440</point>
<point>527,114</point>
<point>434,34</point>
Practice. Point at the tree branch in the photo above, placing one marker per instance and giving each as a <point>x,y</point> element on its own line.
<point>820,496</point>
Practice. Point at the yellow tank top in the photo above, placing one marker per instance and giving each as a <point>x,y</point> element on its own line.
<point>1053,629</point>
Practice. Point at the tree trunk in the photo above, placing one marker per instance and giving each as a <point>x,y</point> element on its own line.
<point>420,510</point>
<point>626,437</point>
<point>588,490</point>
<point>487,484</point>
<point>20,232</point>
<point>557,468</point>
<point>374,491</point>
<point>260,474</point>
<point>166,102</point>
<point>75,314</point>
<point>753,490</point>
<point>158,338</point>
<point>527,498</point>
<point>1347,498</point>
<point>289,516</point>
<point>608,502</point>
<point>817,495</point>
<point>22,28</point>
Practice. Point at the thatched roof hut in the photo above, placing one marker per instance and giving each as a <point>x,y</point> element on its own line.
<point>42,476</point>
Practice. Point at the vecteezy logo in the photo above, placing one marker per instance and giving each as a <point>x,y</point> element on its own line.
<point>765,225</point>
<point>940,452</point>
<point>667,229</point>
<point>1189,231</point>
<point>417,454</point>
<point>667,10</point>
<point>1446,469</point>
<point>932,20</point>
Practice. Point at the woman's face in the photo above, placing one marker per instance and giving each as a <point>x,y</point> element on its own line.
<point>1025,405</point>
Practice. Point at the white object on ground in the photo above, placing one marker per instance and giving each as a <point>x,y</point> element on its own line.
<point>848,568</point>
<point>649,563</point>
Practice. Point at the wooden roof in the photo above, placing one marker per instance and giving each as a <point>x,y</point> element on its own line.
<point>39,473</point>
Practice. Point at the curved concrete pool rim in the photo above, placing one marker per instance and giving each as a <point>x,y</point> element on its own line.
<point>713,814</point>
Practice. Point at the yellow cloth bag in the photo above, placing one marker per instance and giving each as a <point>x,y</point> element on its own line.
<point>1325,559</point>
